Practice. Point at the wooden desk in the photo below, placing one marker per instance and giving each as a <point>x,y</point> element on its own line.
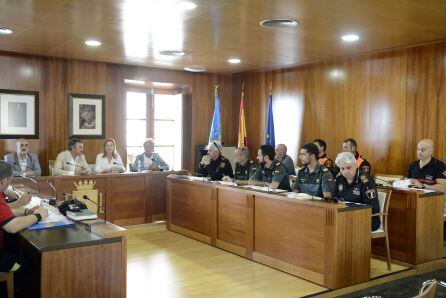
<point>415,227</point>
<point>325,243</point>
<point>74,262</point>
<point>129,198</point>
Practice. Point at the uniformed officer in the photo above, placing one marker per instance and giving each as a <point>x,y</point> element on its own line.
<point>270,172</point>
<point>314,178</point>
<point>214,164</point>
<point>350,145</point>
<point>352,186</point>
<point>427,172</point>
<point>323,158</point>
<point>244,167</point>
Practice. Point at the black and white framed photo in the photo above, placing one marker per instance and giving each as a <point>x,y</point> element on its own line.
<point>86,116</point>
<point>19,114</point>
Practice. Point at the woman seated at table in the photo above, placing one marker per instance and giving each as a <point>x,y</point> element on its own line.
<point>109,161</point>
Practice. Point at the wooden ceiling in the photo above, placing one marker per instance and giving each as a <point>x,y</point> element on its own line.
<point>134,31</point>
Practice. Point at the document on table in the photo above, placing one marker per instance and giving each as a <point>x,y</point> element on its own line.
<point>264,188</point>
<point>302,196</point>
<point>54,217</point>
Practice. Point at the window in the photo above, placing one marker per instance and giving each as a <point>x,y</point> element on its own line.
<point>136,123</point>
<point>168,128</point>
<point>166,125</point>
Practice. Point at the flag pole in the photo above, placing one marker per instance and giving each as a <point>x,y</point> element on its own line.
<point>216,89</point>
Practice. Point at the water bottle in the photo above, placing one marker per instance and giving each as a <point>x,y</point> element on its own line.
<point>139,166</point>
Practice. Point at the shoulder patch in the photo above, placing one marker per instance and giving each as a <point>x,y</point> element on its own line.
<point>278,163</point>
<point>364,179</point>
<point>223,158</point>
<point>325,169</point>
<point>222,165</point>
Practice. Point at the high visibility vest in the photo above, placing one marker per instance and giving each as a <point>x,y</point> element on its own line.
<point>323,160</point>
<point>359,161</point>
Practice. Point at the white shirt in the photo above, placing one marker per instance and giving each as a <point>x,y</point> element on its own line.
<point>103,164</point>
<point>23,163</point>
<point>147,161</point>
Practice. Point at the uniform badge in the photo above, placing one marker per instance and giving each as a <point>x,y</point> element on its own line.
<point>317,180</point>
<point>356,191</point>
<point>278,164</point>
<point>429,177</point>
<point>364,179</point>
<point>222,165</point>
<point>276,172</point>
<point>340,187</point>
<point>371,194</point>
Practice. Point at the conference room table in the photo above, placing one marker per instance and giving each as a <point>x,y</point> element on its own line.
<point>87,259</point>
<point>326,243</point>
<point>415,226</point>
<point>128,198</point>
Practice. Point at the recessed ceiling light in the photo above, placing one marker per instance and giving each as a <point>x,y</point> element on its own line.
<point>350,37</point>
<point>173,52</point>
<point>5,31</point>
<point>195,68</point>
<point>234,60</point>
<point>186,5</point>
<point>134,82</point>
<point>279,23</point>
<point>93,43</point>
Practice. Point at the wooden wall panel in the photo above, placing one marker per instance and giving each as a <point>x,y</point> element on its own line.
<point>387,101</point>
<point>54,78</point>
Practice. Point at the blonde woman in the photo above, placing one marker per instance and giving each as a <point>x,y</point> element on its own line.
<point>109,161</point>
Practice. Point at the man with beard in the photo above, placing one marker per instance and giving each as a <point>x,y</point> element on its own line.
<point>314,178</point>
<point>270,173</point>
<point>23,162</point>
<point>350,145</point>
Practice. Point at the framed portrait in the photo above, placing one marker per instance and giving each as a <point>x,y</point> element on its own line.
<point>19,114</point>
<point>86,116</point>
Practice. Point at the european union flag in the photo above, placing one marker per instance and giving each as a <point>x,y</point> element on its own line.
<point>215,134</point>
<point>269,138</point>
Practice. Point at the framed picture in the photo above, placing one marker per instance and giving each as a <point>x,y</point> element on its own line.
<point>19,114</point>
<point>86,116</point>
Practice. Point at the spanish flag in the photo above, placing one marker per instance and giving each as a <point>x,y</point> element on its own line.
<point>242,137</point>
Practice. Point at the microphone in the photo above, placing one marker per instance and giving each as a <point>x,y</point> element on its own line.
<point>54,193</point>
<point>85,197</point>
<point>26,167</point>
<point>29,178</point>
<point>72,164</point>
<point>119,164</point>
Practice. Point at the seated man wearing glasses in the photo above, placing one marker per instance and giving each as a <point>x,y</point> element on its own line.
<point>23,162</point>
<point>214,164</point>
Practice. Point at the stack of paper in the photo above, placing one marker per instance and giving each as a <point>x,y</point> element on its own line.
<point>54,219</point>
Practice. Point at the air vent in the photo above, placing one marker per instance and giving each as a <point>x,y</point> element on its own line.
<point>279,23</point>
<point>173,52</point>
<point>195,68</point>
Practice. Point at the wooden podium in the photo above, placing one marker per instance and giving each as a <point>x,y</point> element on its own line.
<point>415,226</point>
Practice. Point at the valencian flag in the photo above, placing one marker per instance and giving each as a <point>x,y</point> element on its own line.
<point>215,134</point>
<point>242,136</point>
<point>269,136</point>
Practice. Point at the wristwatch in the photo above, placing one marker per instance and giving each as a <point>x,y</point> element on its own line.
<point>39,217</point>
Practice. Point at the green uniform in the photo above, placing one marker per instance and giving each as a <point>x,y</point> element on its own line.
<point>277,173</point>
<point>243,172</point>
<point>314,183</point>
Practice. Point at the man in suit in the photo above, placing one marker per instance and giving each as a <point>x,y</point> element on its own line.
<point>23,162</point>
<point>72,161</point>
<point>149,160</point>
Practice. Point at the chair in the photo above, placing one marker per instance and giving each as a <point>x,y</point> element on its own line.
<point>430,290</point>
<point>382,232</point>
<point>8,277</point>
